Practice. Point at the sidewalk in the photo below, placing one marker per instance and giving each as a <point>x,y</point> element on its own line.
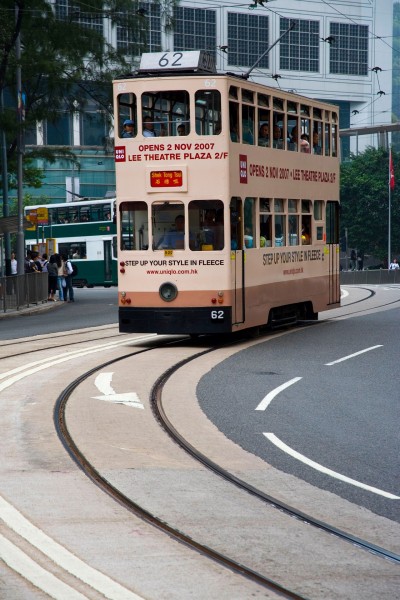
<point>30,310</point>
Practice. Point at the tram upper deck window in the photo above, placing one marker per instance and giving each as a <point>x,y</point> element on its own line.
<point>163,112</point>
<point>208,112</point>
<point>127,112</point>
<point>234,121</point>
<point>134,226</point>
<point>248,124</point>
<point>168,223</point>
<point>263,100</point>
<point>317,138</point>
<point>206,225</point>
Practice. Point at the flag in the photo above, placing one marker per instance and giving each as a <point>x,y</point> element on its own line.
<point>391,171</point>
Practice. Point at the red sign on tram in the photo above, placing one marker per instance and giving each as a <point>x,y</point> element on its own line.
<point>120,154</point>
<point>166,179</point>
<point>243,168</point>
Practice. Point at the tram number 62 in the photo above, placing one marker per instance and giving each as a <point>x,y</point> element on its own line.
<point>217,315</point>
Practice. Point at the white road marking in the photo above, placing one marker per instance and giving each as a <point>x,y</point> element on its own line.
<point>103,384</point>
<point>334,362</point>
<point>21,563</point>
<point>60,555</point>
<point>282,446</point>
<point>269,397</point>
<point>32,534</point>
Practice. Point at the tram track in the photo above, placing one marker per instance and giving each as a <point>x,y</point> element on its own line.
<point>161,524</point>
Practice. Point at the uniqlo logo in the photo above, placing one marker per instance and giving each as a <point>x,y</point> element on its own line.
<point>120,154</point>
<point>243,168</point>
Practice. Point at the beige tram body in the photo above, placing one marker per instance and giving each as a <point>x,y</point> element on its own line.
<point>273,210</point>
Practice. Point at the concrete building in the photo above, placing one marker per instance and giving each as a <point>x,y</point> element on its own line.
<point>339,51</point>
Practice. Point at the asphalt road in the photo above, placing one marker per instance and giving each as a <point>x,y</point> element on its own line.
<point>342,416</point>
<point>92,307</point>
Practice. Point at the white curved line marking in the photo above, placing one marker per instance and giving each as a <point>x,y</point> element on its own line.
<point>61,556</point>
<point>282,446</point>
<point>269,397</point>
<point>21,563</point>
<point>334,362</point>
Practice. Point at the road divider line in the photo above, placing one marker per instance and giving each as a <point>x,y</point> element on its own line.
<point>269,397</point>
<point>339,360</point>
<point>282,446</point>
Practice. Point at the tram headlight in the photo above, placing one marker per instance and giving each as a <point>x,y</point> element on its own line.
<point>168,291</point>
<point>220,297</point>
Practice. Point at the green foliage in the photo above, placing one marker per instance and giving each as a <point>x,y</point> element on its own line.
<point>364,192</point>
<point>65,59</point>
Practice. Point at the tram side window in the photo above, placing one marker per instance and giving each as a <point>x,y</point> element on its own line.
<point>279,222</point>
<point>332,222</point>
<point>165,113</point>
<point>293,222</point>
<point>306,231</point>
<point>248,124</point>
<point>278,132</point>
<point>133,226</point>
<point>265,222</point>
<point>234,121</point>
<point>206,225</point>
<point>168,223</point>
<point>208,112</point>
<point>317,138</point>
<point>235,209</point>
<point>249,223</point>
<point>127,115</point>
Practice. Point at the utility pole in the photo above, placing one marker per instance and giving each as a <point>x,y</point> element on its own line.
<point>20,151</point>
<point>4,177</point>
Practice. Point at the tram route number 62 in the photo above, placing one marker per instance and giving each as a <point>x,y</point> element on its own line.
<point>217,315</point>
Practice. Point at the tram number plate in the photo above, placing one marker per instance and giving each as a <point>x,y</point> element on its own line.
<point>217,315</point>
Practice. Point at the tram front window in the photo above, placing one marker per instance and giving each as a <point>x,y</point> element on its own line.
<point>134,227</point>
<point>168,222</point>
<point>206,225</point>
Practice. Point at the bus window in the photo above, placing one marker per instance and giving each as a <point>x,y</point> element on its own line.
<point>75,250</point>
<point>206,225</point>
<point>208,112</point>
<point>164,111</point>
<point>249,223</point>
<point>127,112</point>
<point>168,221</point>
<point>133,226</point>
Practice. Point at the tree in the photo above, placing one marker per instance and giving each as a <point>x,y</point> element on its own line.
<point>364,192</point>
<point>65,58</point>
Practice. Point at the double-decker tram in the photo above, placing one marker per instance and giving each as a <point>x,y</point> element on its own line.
<point>85,231</point>
<point>227,200</point>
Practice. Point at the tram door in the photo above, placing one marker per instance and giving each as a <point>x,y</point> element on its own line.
<point>332,239</point>
<point>107,260</point>
<point>237,261</point>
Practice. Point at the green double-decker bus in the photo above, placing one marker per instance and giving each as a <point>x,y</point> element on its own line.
<point>85,231</point>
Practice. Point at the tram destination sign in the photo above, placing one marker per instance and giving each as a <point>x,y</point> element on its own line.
<point>194,60</point>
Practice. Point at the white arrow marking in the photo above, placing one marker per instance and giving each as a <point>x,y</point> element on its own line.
<point>103,384</point>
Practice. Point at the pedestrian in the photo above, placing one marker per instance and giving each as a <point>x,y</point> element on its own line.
<point>60,276</point>
<point>44,262</point>
<point>394,265</point>
<point>52,269</point>
<point>68,271</point>
<point>14,264</point>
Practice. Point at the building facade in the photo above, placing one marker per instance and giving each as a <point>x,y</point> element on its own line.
<point>338,51</point>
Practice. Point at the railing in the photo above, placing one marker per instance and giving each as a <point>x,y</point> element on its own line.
<point>380,276</point>
<point>21,291</point>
